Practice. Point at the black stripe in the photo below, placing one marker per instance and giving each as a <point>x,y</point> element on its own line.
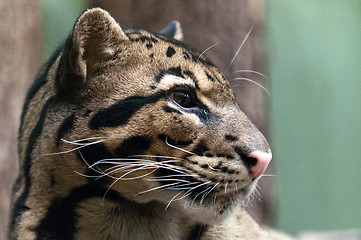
<point>40,80</point>
<point>136,145</point>
<point>92,153</point>
<point>19,205</point>
<point>119,113</point>
<point>197,231</point>
<point>176,71</point>
<point>65,128</point>
<point>60,221</point>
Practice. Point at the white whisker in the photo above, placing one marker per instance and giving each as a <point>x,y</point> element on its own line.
<point>252,81</point>
<point>175,147</point>
<point>200,55</point>
<point>251,71</point>
<point>239,49</point>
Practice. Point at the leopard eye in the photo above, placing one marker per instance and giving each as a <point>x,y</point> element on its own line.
<point>183,99</point>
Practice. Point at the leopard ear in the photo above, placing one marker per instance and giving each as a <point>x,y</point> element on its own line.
<point>95,37</point>
<point>173,30</point>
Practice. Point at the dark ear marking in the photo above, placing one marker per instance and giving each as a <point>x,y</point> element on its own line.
<point>173,30</point>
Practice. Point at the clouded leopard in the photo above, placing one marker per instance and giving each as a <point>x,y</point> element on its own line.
<point>127,134</point>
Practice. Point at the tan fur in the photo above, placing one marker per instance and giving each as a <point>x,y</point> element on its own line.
<point>102,65</point>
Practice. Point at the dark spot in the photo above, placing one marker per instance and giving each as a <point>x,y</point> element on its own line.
<point>209,155</point>
<point>218,165</point>
<point>210,77</point>
<point>119,113</point>
<point>231,138</point>
<point>149,45</point>
<point>170,52</point>
<point>230,171</point>
<point>205,166</point>
<point>230,181</point>
<point>200,149</point>
<point>220,155</point>
<point>202,175</point>
<point>174,142</point>
<point>224,169</point>
<point>176,71</point>
<point>229,157</point>
<point>171,110</point>
<point>136,145</point>
<point>65,128</point>
<point>151,55</point>
<point>153,87</point>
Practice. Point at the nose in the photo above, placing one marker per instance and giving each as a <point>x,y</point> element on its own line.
<point>262,159</point>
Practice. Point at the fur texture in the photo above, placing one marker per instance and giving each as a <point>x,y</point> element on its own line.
<point>127,134</point>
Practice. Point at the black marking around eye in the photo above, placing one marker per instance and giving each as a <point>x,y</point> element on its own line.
<point>176,71</point>
<point>65,128</point>
<point>190,74</point>
<point>171,110</point>
<point>119,113</point>
<point>170,52</point>
<point>136,145</point>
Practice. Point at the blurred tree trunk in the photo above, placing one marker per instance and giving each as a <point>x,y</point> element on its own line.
<point>204,24</point>
<point>20,48</point>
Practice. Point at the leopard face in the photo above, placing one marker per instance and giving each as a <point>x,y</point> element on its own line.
<point>131,116</point>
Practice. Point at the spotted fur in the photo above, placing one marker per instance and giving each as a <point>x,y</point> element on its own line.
<point>127,134</point>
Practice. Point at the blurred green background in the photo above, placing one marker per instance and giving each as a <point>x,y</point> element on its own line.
<point>314,50</point>
<point>315,76</point>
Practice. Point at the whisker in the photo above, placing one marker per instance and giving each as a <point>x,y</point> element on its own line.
<point>252,81</point>
<point>250,71</point>
<point>200,55</point>
<point>74,149</point>
<point>171,201</point>
<point>175,147</point>
<point>156,188</point>
<point>198,195</point>
<point>239,49</point>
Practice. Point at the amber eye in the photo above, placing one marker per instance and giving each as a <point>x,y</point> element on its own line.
<point>183,99</point>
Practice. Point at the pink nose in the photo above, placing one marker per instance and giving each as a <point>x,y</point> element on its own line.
<point>263,159</point>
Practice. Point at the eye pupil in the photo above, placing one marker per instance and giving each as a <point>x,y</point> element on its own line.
<point>183,99</point>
